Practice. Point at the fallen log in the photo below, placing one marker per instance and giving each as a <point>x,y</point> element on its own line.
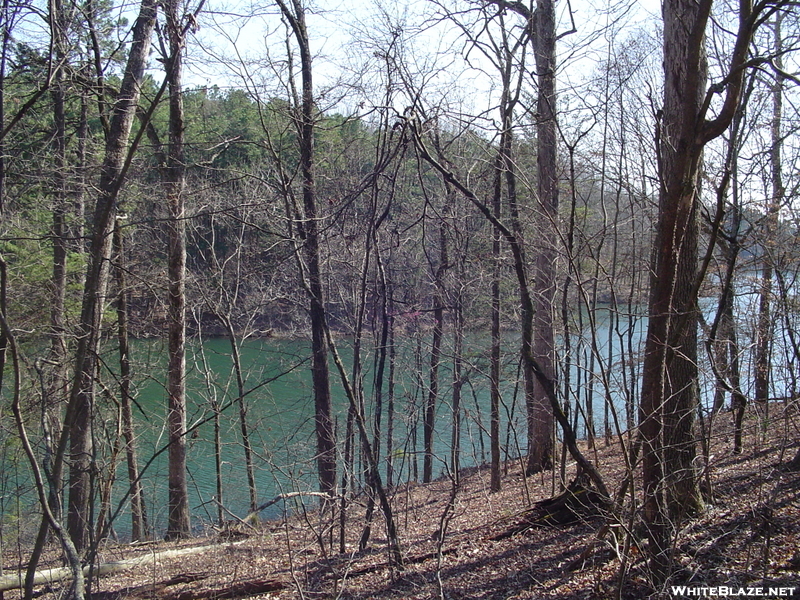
<point>49,576</point>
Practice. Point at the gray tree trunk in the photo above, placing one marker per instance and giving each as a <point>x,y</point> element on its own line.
<point>77,421</point>
<point>178,521</point>
<point>540,415</point>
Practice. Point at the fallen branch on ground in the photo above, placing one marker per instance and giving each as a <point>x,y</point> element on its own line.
<point>48,576</point>
<point>233,590</point>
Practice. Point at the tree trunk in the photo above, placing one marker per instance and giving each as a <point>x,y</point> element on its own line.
<point>764,322</point>
<point>309,232</point>
<point>390,392</point>
<point>243,425</point>
<point>669,385</point>
<point>77,420</point>
<point>436,353</point>
<point>218,462</point>
<point>540,426</point>
<point>458,382</point>
<point>5,38</point>
<point>138,512</point>
<point>178,521</point>
<point>58,343</point>
<point>494,368</point>
<point>669,380</point>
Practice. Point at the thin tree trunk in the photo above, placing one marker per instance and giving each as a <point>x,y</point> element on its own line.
<point>380,359</point>
<point>309,233</point>
<point>764,323</point>
<point>436,346</point>
<point>243,425</point>
<point>218,462</point>
<point>58,343</point>
<point>5,38</point>
<point>138,511</point>
<point>347,478</point>
<point>458,382</point>
<point>390,389</point>
<point>4,43</point>
<point>494,368</point>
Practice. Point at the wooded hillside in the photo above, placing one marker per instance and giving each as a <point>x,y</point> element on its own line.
<point>328,254</point>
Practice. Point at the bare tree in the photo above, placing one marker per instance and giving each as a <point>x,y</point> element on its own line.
<point>669,386</point>
<point>308,229</point>
<point>77,421</point>
<point>174,179</point>
<point>543,23</point>
<point>764,324</point>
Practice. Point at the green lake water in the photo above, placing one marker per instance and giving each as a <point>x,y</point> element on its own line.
<point>280,412</point>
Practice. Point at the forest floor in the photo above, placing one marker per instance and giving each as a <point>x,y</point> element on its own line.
<point>748,538</point>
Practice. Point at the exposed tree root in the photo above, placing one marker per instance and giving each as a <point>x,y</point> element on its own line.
<point>575,504</point>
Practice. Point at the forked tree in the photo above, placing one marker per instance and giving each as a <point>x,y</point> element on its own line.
<point>306,214</point>
<point>670,393</point>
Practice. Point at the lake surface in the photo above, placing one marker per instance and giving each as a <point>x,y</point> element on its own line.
<point>280,418</point>
<point>280,413</point>
<point>280,408</point>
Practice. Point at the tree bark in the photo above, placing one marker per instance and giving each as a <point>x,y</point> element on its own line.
<point>669,384</point>
<point>77,420</point>
<point>178,520</point>
<point>309,232</point>
<point>540,415</point>
<point>669,381</point>
<point>669,388</point>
